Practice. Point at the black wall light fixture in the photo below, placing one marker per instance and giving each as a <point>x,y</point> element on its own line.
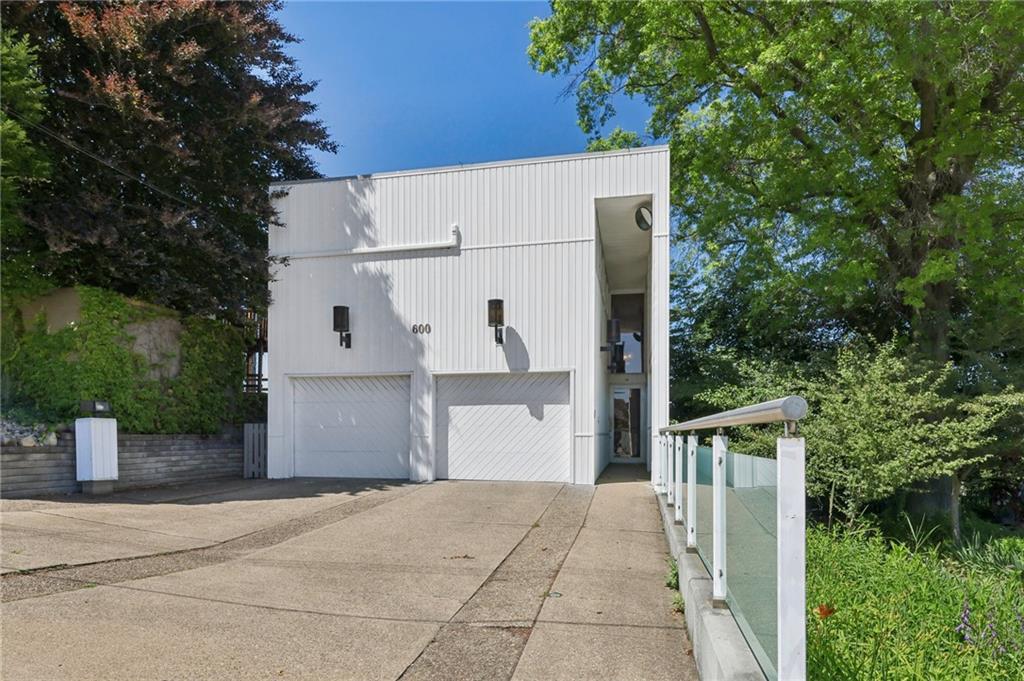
<point>95,408</point>
<point>615,347</point>
<point>341,325</point>
<point>496,318</point>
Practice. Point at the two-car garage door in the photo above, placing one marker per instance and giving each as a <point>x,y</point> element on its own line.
<point>488,427</point>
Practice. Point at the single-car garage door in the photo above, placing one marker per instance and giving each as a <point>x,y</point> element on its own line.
<point>503,427</point>
<point>352,427</point>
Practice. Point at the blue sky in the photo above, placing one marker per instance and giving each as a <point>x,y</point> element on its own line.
<point>412,85</point>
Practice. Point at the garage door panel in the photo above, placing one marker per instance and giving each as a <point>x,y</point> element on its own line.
<point>354,415</point>
<point>505,389</point>
<point>354,464</point>
<point>352,427</point>
<point>504,427</point>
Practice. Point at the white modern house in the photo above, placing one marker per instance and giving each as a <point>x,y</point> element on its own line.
<point>496,321</point>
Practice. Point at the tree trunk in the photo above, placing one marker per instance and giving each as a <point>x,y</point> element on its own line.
<point>932,337</point>
<point>932,327</point>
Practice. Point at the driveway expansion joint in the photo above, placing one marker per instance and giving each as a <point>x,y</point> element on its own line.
<point>467,647</point>
<point>24,584</point>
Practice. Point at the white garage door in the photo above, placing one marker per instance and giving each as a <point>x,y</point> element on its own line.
<point>352,427</point>
<point>503,427</point>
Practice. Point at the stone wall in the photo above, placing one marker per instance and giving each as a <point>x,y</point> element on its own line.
<point>142,461</point>
<point>27,471</point>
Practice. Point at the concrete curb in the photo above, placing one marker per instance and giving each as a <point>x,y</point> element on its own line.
<point>719,648</point>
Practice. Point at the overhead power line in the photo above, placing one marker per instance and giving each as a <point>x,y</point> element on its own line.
<point>99,159</point>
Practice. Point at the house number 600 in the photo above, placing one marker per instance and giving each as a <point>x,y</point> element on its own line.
<point>421,328</point>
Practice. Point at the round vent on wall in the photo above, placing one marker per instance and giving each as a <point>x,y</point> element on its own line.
<point>643,217</point>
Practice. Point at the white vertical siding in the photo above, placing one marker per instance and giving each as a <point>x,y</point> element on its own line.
<point>661,244</point>
<point>527,236</point>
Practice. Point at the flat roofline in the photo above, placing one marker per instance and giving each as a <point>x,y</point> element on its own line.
<point>486,164</point>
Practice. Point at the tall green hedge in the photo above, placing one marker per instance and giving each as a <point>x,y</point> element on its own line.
<point>47,374</point>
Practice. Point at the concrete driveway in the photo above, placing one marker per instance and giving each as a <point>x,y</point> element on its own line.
<point>343,579</point>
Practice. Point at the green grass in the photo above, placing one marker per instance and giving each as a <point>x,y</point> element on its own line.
<point>913,610</point>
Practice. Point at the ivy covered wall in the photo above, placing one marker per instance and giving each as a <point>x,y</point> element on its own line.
<point>46,373</point>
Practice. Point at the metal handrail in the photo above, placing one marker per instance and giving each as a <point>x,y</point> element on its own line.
<point>789,409</point>
<point>667,477</point>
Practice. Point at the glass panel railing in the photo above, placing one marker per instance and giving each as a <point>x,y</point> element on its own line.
<point>755,553</point>
<point>751,552</point>
<point>704,513</point>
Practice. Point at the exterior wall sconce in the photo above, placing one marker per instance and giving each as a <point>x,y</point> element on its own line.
<point>615,348</point>
<point>95,408</point>
<point>341,325</point>
<point>496,318</point>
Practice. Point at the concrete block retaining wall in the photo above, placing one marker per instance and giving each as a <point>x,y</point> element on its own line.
<point>142,461</point>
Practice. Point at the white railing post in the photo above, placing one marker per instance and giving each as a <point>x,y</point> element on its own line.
<point>655,462</point>
<point>691,492</point>
<point>656,468</point>
<point>670,483</point>
<point>664,468</point>
<point>790,548</point>
<point>678,475</point>
<point>720,445</point>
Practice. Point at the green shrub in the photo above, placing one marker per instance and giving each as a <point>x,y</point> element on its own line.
<point>878,422</point>
<point>206,393</point>
<point>49,373</point>
<point>892,613</point>
<point>252,408</point>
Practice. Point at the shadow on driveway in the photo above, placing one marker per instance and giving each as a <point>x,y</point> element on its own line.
<point>77,529</point>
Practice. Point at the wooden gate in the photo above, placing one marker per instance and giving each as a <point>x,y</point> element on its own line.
<point>255,445</point>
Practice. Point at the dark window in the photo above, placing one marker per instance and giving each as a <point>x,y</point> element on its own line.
<point>256,354</point>
<point>628,308</point>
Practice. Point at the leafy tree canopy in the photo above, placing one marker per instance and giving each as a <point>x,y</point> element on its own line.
<point>880,422</point>
<point>21,161</point>
<point>858,164</point>
<point>164,122</point>
<point>616,139</point>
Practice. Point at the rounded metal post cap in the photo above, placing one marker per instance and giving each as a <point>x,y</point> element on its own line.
<point>794,408</point>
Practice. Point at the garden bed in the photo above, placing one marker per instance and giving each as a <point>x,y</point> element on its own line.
<point>889,610</point>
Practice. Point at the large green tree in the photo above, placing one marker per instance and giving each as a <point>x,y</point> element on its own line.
<point>164,122</point>
<point>853,165</point>
<point>21,162</point>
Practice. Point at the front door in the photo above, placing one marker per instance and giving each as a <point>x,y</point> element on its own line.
<point>627,423</point>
